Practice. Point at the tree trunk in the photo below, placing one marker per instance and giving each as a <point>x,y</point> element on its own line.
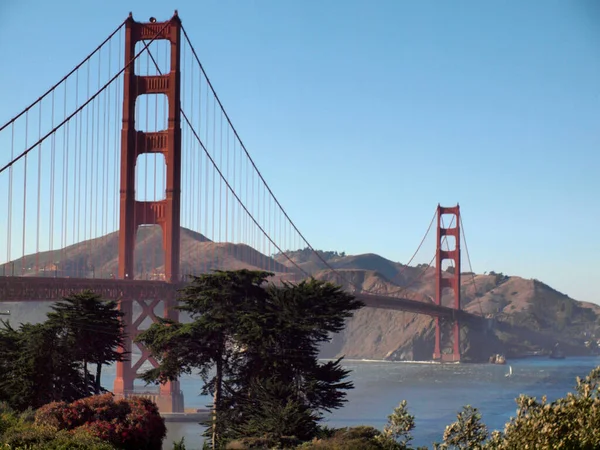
<point>98,376</point>
<point>217,401</point>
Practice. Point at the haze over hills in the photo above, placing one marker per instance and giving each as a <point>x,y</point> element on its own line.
<point>529,315</point>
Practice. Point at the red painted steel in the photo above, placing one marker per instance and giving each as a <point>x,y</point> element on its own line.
<point>452,282</point>
<point>165,213</point>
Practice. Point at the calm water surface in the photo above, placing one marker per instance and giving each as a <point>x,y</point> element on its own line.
<point>435,393</point>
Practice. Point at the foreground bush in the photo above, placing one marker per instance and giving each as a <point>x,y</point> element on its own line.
<point>131,424</point>
<point>35,437</point>
<point>18,432</point>
<point>361,437</point>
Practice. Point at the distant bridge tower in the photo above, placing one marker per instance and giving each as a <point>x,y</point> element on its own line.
<point>442,282</point>
<point>165,213</point>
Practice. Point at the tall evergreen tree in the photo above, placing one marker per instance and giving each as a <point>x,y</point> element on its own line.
<point>217,303</point>
<point>284,349</point>
<point>262,344</point>
<point>92,327</point>
<point>38,367</point>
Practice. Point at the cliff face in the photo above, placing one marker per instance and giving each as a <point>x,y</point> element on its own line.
<point>528,316</point>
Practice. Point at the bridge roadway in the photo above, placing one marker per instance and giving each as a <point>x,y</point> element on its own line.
<point>21,289</point>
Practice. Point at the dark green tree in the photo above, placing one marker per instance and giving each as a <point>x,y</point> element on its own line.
<point>38,367</point>
<point>254,337</point>
<point>217,303</point>
<point>282,340</point>
<point>92,327</point>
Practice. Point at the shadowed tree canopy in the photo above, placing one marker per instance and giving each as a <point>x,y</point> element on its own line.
<point>93,329</point>
<point>37,367</point>
<point>48,362</point>
<point>249,341</point>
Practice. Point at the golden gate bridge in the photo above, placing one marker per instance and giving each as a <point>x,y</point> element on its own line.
<point>134,138</point>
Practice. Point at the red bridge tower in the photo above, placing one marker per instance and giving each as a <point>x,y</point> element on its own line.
<point>452,282</point>
<point>165,213</point>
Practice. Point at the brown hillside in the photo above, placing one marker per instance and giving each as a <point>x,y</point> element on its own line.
<point>528,315</point>
<point>99,257</point>
<point>376,333</point>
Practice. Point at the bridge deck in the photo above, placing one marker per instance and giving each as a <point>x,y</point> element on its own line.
<point>22,289</point>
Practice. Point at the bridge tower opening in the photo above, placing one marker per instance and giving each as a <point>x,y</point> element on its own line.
<point>448,329</point>
<point>164,213</point>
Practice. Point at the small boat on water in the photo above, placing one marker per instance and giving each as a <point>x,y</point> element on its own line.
<point>509,374</point>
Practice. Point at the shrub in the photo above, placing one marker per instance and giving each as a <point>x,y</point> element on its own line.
<point>7,421</point>
<point>128,424</point>
<point>468,432</point>
<point>35,437</point>
<point>361,437</point>
<point>397,432</point>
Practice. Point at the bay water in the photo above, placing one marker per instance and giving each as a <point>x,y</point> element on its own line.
<point>435,393</point>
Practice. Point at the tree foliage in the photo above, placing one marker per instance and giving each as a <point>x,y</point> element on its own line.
<point>468,432</point>
<point>399,427</point>
<point>256,349</point>
<point>47,362</point>
<point>92,328</point>
<point>37,367</point>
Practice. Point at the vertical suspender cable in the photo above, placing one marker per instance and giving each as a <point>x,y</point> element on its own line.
<point>214,144</point>
<point>39,194</point>
<point>206,186</point>
<point>106,159</point>
<point>10,199</point>
<point>98,194</point>
<point>220,181</point>
<point>201,203</point>
<point>462,229</point>
<point>82,270</point>
<point>193,251</point>
<point>25,195</point>
<point>51,199</point>
<point>252,205</point>
<point>224,248</point>
<point>77,177</point>
<point>65,176</point>
<point>116,148</point>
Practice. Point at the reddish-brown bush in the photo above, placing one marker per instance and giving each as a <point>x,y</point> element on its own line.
<point>132,423</point>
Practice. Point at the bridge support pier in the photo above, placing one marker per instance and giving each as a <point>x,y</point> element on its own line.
<point>451,280</point>
<point>169,397</point>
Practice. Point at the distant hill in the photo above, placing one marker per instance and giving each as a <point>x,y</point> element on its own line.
<point>529,315</point>
<point>99,257</point>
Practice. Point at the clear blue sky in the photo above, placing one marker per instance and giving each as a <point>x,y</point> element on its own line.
<point>363,116</point>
